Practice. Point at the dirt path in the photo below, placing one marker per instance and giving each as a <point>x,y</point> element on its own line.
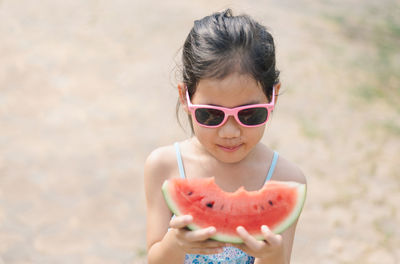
<point>80,85</point>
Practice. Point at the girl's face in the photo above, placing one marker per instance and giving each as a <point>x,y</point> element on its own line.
<point>230,142</point>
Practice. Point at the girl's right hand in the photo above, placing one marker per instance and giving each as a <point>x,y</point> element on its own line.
<point>195,242</point>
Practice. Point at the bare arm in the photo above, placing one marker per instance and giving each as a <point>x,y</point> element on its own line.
<point>160,244</point>
<point>168,240</point>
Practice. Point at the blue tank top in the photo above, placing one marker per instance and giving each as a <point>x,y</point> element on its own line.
<point>230,254</point>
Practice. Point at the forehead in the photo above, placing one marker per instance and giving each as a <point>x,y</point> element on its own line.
<point>233,90</point>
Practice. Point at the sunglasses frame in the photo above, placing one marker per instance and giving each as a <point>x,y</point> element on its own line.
<point>230,111</point>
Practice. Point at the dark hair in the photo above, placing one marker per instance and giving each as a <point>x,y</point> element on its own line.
<point>221,44</point>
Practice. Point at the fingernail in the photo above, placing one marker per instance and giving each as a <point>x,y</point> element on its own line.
<point>212,229</point>
<point>188,218</point>
<point>264,228</point>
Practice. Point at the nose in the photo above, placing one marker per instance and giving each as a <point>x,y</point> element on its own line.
<point>231,129</point>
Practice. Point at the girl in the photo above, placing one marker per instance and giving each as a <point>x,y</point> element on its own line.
<point>229,89</point>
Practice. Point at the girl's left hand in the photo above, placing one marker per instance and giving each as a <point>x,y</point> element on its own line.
<point>271,248</point>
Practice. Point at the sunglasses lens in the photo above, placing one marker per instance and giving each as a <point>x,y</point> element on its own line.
<point>253,116</point>
<point>209,117</point>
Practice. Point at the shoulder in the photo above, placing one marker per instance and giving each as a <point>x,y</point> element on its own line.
<point>160,161</point>
<point>161,155</point>
<point>160,165</point>
<point>288,171</point>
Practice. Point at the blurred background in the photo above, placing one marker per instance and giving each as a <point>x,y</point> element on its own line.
<point>87,90</point>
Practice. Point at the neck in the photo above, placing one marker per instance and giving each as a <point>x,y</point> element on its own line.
<point>229,176</point>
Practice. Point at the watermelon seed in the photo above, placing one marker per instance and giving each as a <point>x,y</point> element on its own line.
<point>210,204</point>
<point>270,203</point>
<point>189,193</point>
<point>262,207</point>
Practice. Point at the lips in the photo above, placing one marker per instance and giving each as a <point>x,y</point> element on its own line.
<point>230,148</point>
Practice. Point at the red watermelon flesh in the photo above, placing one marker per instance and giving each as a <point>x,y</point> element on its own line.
<point>277,205</point>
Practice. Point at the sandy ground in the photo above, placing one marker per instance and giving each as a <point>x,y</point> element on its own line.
<point>87,91</point>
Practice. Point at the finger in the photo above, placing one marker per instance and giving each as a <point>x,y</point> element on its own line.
<point>196,241</point>
<point>180,221</point>
<point>248,239</point>
<point>271,238</point>
<point>200,234</point>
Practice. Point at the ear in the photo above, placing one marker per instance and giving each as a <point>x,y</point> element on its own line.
<point>277,88</point>
<point>182,96</point>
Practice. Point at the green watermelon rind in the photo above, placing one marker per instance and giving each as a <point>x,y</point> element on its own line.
<point>302,190</point>
<point>168,199</point>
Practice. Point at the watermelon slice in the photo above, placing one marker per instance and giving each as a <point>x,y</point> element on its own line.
<point>277,205</point>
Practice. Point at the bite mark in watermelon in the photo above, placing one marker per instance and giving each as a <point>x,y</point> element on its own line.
<point>278,204</point>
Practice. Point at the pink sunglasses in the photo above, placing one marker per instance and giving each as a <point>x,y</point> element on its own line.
<point>215,116</point>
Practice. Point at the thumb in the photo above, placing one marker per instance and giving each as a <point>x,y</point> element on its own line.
<point>180,221</point>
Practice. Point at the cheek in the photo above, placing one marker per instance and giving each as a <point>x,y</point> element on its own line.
<point>206,136</point>
<point>255,134</point>
<point>202,132</point>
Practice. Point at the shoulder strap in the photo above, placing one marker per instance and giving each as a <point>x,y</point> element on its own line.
<point>272,167</point>
<point>179,159</point>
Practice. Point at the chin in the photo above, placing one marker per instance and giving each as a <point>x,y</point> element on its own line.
<point>231,161</point>
<point>230,158</point>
